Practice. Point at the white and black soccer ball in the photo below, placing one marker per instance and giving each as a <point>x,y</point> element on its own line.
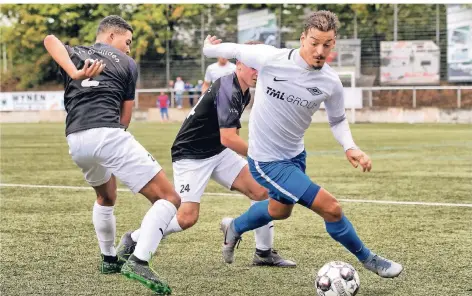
<point>337,278</point>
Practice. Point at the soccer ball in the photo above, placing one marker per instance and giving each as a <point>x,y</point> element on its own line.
<point>337,278</point>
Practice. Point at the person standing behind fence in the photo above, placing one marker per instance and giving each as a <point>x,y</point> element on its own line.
<point>190,92</point>
<point>179,88</point>
<point>163,104</point>
<point>216,70</point>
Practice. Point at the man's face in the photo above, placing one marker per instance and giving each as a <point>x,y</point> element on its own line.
<point>222,61</point>
<point>316,46</point>
<point>121,40</point>
<point>247,74</point>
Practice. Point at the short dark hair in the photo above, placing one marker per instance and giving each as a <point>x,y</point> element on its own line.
<point>114,22</point>
<point>322,20</point>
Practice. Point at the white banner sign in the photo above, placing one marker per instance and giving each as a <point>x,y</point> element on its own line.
<point>459,36</point>
<point>409,62</point>
<point>31,100</point>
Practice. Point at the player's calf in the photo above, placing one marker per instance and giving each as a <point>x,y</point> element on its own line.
<point>188,214</point>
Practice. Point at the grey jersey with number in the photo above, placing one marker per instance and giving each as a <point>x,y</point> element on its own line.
<point>96,102</point>
<point>220,107</point>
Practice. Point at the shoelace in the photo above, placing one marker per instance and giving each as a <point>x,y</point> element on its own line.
<point>238,240</point>
<point>382,263</point>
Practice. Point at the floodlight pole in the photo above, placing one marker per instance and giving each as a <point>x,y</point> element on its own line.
<point>437,24</point>
<point>395,22</point>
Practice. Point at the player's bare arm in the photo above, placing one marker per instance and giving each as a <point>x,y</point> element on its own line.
<point>205,86</point>
<point>126,111</point>
<point>231,139</point>
<point>60,55</point>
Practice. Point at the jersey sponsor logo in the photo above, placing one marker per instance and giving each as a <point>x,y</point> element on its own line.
<point>275,79</point>
<point>89,83</point>
<point>104,52</point>
<point>290,98</point>
<point>315,91</point>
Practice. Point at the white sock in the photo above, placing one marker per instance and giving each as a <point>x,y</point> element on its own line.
<point>174,226</point>
<point>264,235</point>
<point>135,235</point>
<point>104,223</point>
<point>154,223</point>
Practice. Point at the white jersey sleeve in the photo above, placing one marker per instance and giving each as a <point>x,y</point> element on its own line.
<point>337,118</point>
<point>254,55</point>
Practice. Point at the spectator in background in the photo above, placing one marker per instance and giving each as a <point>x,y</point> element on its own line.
<point>179,88</point>
<point>163,104</point>
<point>189,89</point>
<point>216,70</point>
<point>198,88</point>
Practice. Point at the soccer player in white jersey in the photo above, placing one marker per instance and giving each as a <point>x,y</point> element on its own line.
<point>291,86</point>
<point>217,70</point>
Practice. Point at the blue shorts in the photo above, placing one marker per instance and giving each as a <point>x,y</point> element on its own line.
<point>286,180</point>
<point>164,112</point>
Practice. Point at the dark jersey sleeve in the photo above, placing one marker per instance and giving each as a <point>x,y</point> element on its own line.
<point>227,106</point>
<point>133,78</point>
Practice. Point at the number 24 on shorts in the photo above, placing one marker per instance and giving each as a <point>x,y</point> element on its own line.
<point>184,188</point>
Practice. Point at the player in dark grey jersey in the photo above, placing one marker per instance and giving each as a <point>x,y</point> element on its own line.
<point>99,99</point>
<point>207,147</point>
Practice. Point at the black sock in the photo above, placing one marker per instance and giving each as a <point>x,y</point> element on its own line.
<point>110,259</point>
<point>263,253</point>
<point>137,260</point>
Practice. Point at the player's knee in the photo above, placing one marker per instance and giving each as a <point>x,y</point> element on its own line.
<point>174,198</point>
<point>333,212</point>
<point>259,193</point>
<point>107,198</point>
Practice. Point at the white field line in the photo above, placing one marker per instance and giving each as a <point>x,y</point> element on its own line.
<point>384,202</point>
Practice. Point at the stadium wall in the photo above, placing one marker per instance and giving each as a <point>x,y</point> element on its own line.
<point>366,115</point>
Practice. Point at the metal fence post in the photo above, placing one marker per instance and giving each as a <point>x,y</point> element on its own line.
<point>414,97</point>
<point>370,98</point>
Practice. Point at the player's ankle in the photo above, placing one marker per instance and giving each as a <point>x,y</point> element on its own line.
<point>263,253</point>
<point>110,259</point>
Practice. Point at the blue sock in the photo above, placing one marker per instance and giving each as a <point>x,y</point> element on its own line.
<point>343,232</point>
<point>256,216</point>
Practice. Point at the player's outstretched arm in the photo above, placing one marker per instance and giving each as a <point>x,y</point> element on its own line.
<point>230,138</point>
<point>341,131</point>
<point>59,53</point>
<point>254,56</point>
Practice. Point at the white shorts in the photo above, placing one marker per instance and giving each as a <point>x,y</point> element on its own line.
<point>101,152</point>
<point>191,176</point>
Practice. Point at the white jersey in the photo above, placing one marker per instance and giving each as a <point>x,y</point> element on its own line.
<point>288,93</point>
<point>215,71</point>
